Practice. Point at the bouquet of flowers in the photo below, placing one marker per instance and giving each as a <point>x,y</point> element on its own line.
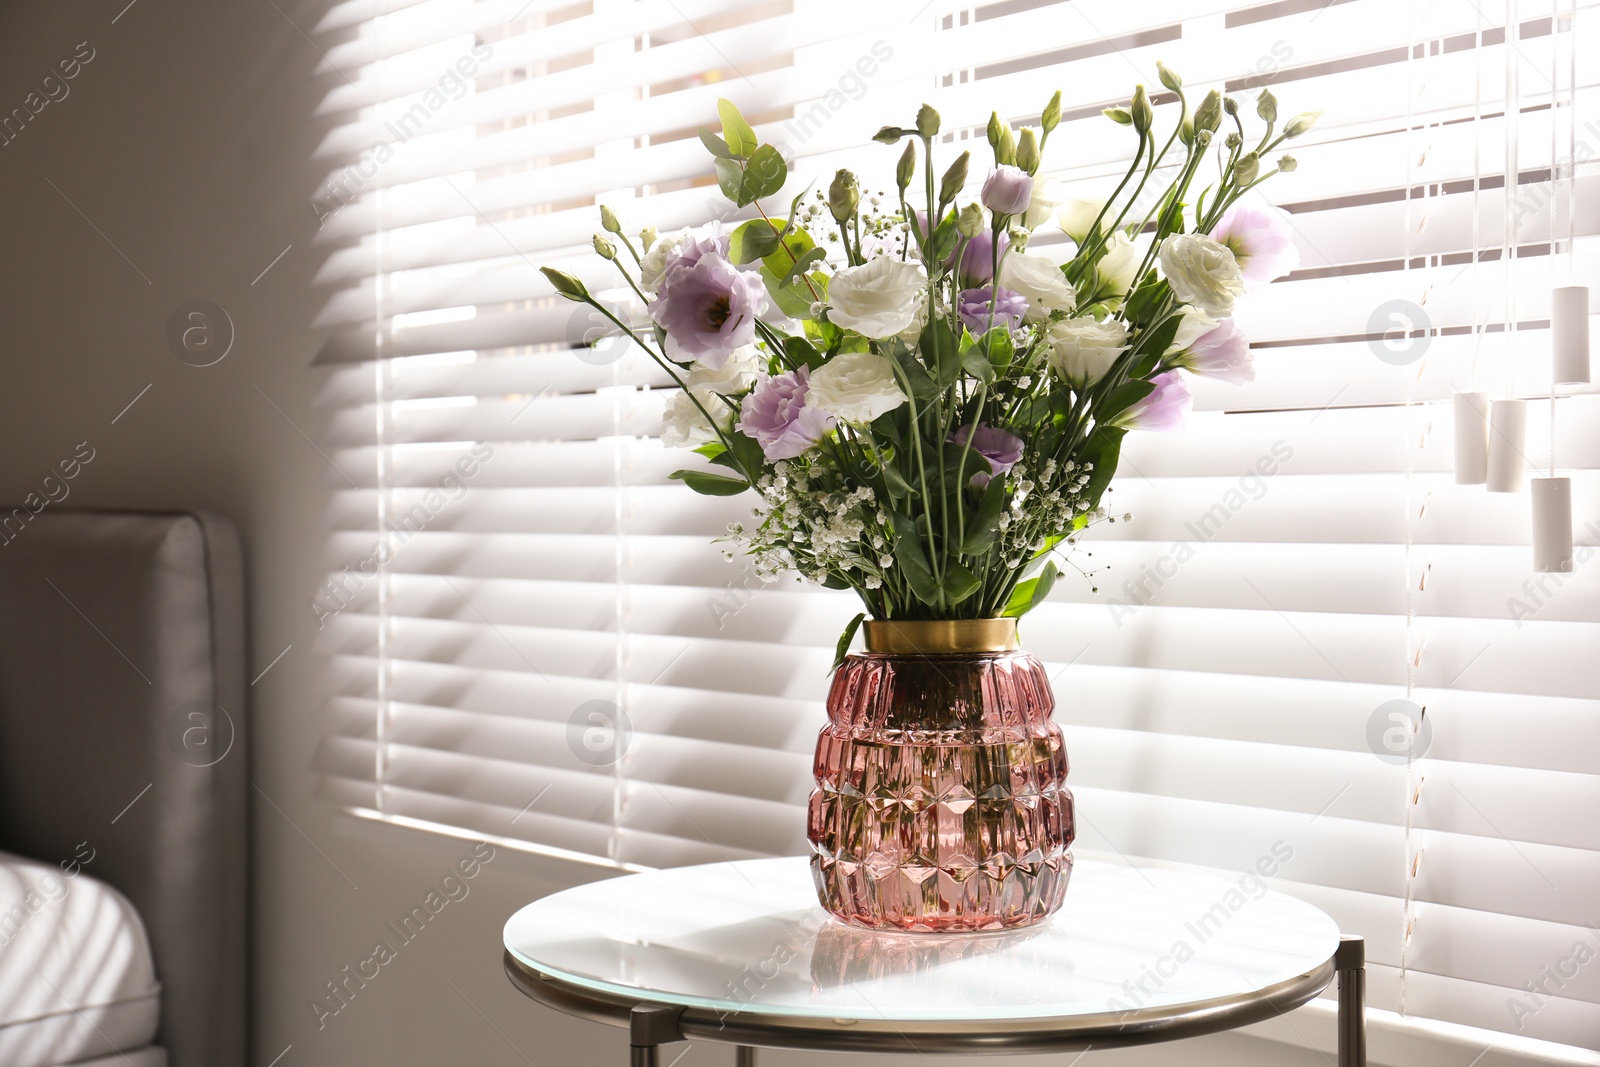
<point>927,409</point>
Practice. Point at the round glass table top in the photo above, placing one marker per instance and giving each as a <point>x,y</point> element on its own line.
<point>749,938</point>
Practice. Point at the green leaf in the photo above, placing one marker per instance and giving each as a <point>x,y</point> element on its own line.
<point>896,483</point>
<point>843,648</point>
<point>715,145</point>
<point>784,254</point>
<point>984,525</point>
<point>912,561</point>
<point>711,450</point>
<point>959,582</point>
<point>923,387</point>
<point>1120,399</point>
<point>764,175</point>
<point>1146,299</point>
<point>794,299</point>
<point>735,130</point>
<point>1104,449</point>
<point>802,352</point>
<point>805,262</point>
<point>752,240</point>
<point>961,462</point>
<point>745,453</point>
<point>945,236</point>
<point>940,351</point>
<point>711,484</point>
<point>729,177</point>
<point>1031,593</point>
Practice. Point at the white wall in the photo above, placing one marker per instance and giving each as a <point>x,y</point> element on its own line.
<point>184,142</point>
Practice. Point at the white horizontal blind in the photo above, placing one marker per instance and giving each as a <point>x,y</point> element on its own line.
<point>1219,692</point>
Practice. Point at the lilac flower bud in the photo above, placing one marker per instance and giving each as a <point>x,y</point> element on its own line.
<point>1008,190</point>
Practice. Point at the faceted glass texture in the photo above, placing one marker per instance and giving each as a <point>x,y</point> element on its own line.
<point>941,801</point>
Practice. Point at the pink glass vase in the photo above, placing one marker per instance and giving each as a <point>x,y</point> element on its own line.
<point>941,801</point>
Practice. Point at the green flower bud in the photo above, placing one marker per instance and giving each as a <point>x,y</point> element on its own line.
<point>1208,116</point>
<point>648,237</point>
<point>994,129</point>
<point>889,135</point>
<point>1052,113</point>
<point>1230,105</point>
<point>1169,77</point>
<point>1202,138</point>
<point>1019,238</point>
<point>1301,123</point>
<point>1119,115</point>
<point>1288,165</point>
<point>608,219</point>
<point>954,179</point>
<point>565,284</point>
<point>1005,153</point>
<point>906,168</point>
<point>970,222</point>
<point>1233,140</point>
<point>927,121</point>
<point>606,249</point>
<point>843,196</point>
<point>1267,106</point>
<point>1248,167</point>
<point>1028,151</point>
<point>1143,116</point>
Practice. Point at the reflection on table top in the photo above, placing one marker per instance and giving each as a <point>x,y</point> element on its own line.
<point>748,937</point>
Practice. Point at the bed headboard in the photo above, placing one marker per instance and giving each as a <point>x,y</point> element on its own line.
<point>122,725</point>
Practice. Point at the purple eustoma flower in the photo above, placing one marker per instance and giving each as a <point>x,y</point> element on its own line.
<point>1221,352</point>
<point>1164,409</point>
<point>707,306</point>
<point>973,307</point>
<point>977,259</point>
<point>1001,449</point>
<point>1261,239</point>
<point>1008,190</point>
<point>777,416</point>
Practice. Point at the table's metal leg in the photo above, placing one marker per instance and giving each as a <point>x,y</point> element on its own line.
<point>649,1027</point>
<point>1351,963</point>
<point>744,1057</point>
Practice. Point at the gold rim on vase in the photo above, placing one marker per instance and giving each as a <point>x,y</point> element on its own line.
<point>936,637</point>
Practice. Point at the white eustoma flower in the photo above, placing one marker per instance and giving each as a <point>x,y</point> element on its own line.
<point>1202,272</point>
<point>1193,324</point>
<point>855,387</point>
<point>682,423</point>
<point>1084,348</point>
<point>878,299</point>
<point>1077,215</point>
<point>1042,206</point>
<point>654,262</point>
<point>1040,282</point>
<point>1120,262</point>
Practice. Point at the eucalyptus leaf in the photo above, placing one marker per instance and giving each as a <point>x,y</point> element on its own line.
<point>736,131</point>
<point>752,240</point>
<point>764,174</point>
<point>716,145</point>
<point>729,177</point>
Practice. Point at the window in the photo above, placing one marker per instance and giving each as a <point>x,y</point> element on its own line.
<point>513,572</point>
